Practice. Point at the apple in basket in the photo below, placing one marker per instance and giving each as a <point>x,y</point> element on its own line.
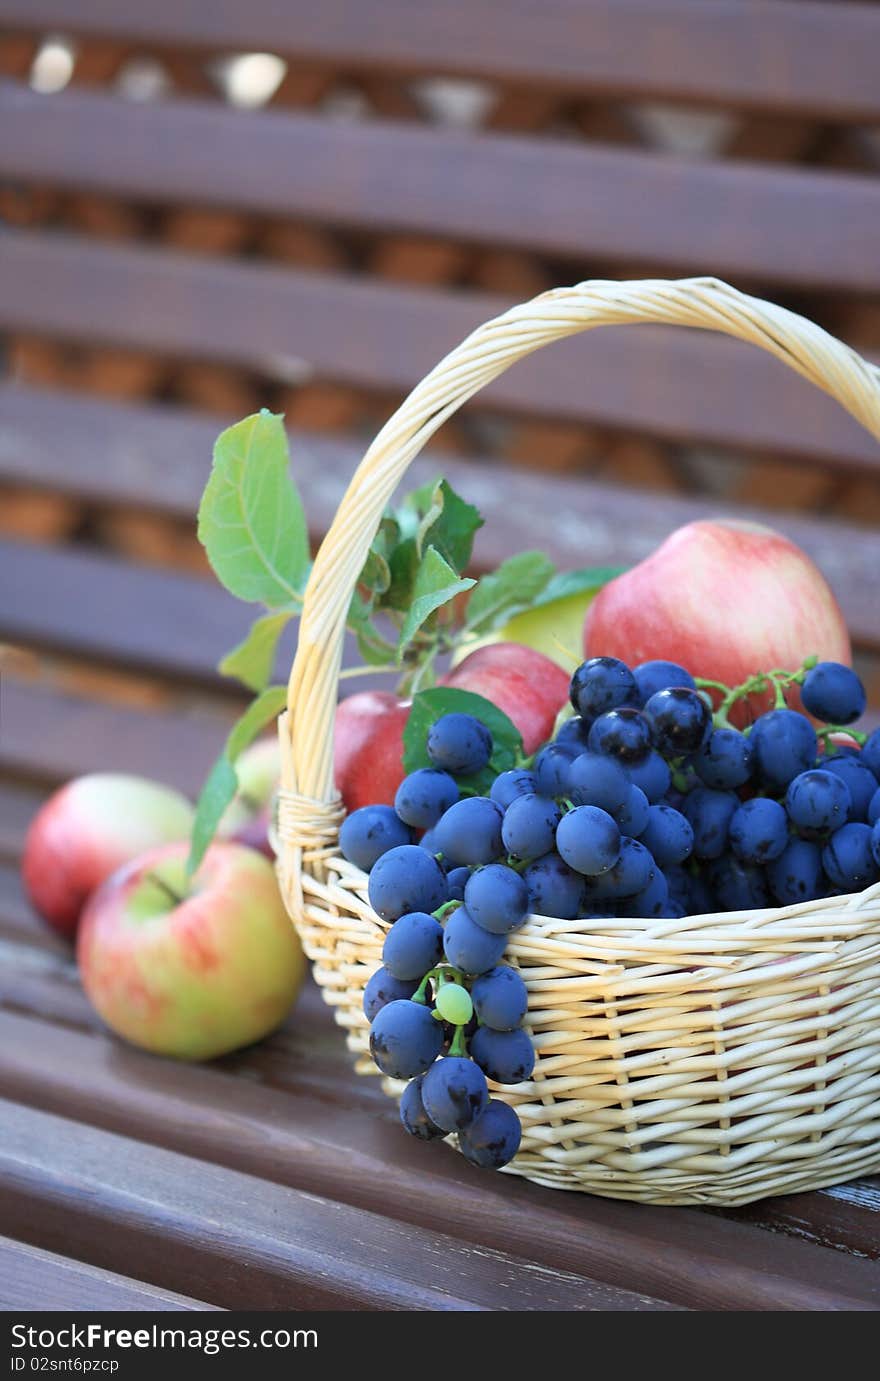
<point>721,598</point>
<point>368,747</point>
<point>190,969</point>
<point>89,828</point>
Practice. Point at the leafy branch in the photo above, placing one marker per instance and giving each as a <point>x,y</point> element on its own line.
<point>408,609</point>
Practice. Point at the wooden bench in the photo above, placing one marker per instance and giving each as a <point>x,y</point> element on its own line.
<point>285,256</point>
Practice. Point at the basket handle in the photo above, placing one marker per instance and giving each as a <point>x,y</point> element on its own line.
<point>307,729</point>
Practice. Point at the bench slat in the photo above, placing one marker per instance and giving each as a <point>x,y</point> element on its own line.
<point>682,384</point>
<point>787,225</point>
<point>324,1146</point>
<point>247,1243</point>
<point>33,1279</point>
<point>819,58</point>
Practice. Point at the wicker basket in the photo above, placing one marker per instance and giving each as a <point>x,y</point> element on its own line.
<point>714,1059</point>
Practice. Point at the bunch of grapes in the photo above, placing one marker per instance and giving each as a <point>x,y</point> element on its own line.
<point>645,804</point>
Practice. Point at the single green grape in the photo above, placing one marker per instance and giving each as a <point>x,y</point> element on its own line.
<point>454,1004</point>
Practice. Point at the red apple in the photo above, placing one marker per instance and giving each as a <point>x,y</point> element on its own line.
<point>86,830</point>
<point>368,747</point>
<point>192,970</point>
<point>722,598</point>
<point>247,819</point>
<point>526,685</point>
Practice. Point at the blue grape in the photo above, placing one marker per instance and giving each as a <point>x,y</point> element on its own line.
<point>623,734</point>
<point>468,946</point>
<point>508,785</point>
<point>652,677</point>
<point>405,1040</point>
<point>796,875</point>
<point>454,1092</point>
<point>369,833</point>
<point>595,780</point>
<point>574,732</point>
<point>700,901</point>
<point>870,754</point>
<point>413,1114</point>
<point>497,898</point>
<point>709,814</point>
<point>529,826</point>
<point>861,782</point>
<point>554,888</point>
<point>500,998</point>
<point>680,721</point>
<point>632,873</point>
<point>424,796</point>
<point>407,879</point>
<point>551,768</point>
<point>633,815</point>
<point>602,683</point>
<point>875,842</point>
<point>738,886</point>
<point>673,910</point>
<point>459,743</point>
<point>413,945</point>
<point>652,776</point>
<point>457,879</point>
<point>677,880</point>
<point>507,1057</point>
<point>651,901</point>
<point>758,830</point>
<point>382,988</point>
<point>668,835</point>
<point>818,801</point>
<point>725,760</point>
<point>833,693</point>
<point>589,840</point>
<point>470,832</point>
<point>874,808</point>
<point>848,858</point>
<point>784,745</point>
<point>492,1140</point>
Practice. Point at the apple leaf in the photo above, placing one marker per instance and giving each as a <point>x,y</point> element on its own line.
<point>580,582</point>
<point>436,583</point>
<point>251,519</point>
<point>447,521</point>
<point>375,650</point>
<point>429,705</point>
<point>251,662</point>
<point>221,783</point>
<point>515,586</point>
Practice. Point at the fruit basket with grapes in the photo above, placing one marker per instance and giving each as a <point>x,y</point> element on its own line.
<point>640,958</point>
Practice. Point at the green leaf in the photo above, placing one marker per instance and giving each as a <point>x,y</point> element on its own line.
<point>267,706</point>
<point>251,519</point>
<point>375,650</point>
<point>217,793</point>
<point>515,585</point>
<point>251,662</point>
<point>448,523</point>
<point>429,705</point>
<point>435,584</point>
<point>221,783</point>
<point>583,581</point>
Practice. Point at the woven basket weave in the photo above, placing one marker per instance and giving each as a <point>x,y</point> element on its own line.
<point>713,1059</point>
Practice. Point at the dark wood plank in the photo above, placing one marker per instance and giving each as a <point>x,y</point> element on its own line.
<point>681,384</point>
<point>788,225</point>
<point>49,735</point>
<point>817,58</point>
<point>31,1279</point>
<point>317,1142</point>
<point>248,1243</point>
<point>18,805</point>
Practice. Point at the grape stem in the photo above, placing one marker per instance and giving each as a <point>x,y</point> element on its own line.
<point>458,1045</point>
<point>443,911</point>
<point>830,729</point>
<point>778,681</point>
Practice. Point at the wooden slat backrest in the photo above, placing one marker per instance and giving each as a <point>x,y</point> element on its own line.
<point>816,58</point>
<point>790,226</point>
<point>677,383</point>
